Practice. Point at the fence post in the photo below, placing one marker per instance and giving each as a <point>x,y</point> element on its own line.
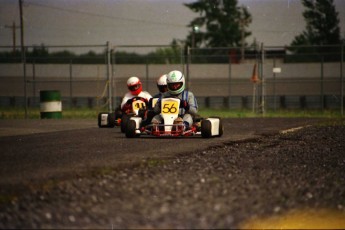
<point>113,62</point>
<point>262,80</point>
<point>110,95</point>
<point>274,86</point>
<point>183,56</point>
<point>147,75</point>
<point>34,81</point>
<point>187,66</point>
<point>70,83</point>
<point>229,87</point>
<point>321,86</point>
<point>342,80</point>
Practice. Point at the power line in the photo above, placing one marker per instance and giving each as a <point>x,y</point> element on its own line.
<point>105,16</point>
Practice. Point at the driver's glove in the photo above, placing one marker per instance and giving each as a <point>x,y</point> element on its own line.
<point>184,104</point>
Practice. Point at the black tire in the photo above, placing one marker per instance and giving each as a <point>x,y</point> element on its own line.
<point>111,120</point>
<point>124,121</point>
<point>221,130</point>
<point>130,129</point>
<point>206,129</point>
<point>100,120</point>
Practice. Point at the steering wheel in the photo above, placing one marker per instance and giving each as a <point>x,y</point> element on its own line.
<point>130,101</point>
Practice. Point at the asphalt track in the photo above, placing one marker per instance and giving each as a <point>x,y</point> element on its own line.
<point>36,150</point>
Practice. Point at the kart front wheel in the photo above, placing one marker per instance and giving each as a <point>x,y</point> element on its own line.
<point>206,131</point>
<point>131,129</point>
<point>124,121</point>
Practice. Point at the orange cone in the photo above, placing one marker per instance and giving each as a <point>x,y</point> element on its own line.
<point>255,77</point>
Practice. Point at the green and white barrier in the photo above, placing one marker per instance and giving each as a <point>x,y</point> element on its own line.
<point>50,104</point>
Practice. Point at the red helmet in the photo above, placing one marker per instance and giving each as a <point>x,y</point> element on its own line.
<point>134,85</point>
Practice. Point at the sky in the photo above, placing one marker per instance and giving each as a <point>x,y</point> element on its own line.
<point>140,22</point>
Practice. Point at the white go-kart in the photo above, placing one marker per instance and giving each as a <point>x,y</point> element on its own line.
<point>206,127</point>
<point>110,120</point>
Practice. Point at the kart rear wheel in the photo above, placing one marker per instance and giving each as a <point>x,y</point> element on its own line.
<point>206,129</point>
<point>130,130</point>
<point>111,120</point>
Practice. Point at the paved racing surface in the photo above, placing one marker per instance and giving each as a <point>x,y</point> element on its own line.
<point>34,149</point>
<point>71,174</point>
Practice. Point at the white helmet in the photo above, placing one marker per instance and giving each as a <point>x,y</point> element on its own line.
<point>176,82</point>
<point>134,85</point>
<point>162,83</point>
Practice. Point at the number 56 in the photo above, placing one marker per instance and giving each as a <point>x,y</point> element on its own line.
<point>169,108</point>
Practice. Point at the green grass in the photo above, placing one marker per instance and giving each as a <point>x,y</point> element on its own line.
<point>86,113</point>
<point>227,113</point>
<point>34,113</point>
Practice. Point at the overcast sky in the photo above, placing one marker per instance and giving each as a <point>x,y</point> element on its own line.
<point>140,22</point>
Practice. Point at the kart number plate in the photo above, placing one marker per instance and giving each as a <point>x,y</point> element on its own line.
<point>170,107</point>
<point>136,105</point>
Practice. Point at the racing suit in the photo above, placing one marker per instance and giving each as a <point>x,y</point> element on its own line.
<point>186,114</point>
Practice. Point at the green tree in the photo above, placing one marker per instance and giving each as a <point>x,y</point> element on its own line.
<point>322,24</point>
<point>39,51</point>
<point>169,55</point>
<point>224,23</point>
<point>322,32</point>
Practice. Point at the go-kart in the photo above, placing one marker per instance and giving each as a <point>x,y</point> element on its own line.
<point>119,118</point>
<point>206,127</point>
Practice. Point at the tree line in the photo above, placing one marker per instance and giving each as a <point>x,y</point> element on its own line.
<point>220,23</point>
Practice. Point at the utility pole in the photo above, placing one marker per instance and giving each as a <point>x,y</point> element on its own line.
<point>13,27</point>
<point>23,54</point>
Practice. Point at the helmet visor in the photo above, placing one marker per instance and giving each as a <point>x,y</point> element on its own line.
<point>162,88</point>
<point>175,86</point>
<point>134,87</point>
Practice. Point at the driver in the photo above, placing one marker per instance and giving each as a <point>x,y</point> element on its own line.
<point>188,103</point>
<point>162,88</point>
<point>135,88</point>
<point>161,85</point>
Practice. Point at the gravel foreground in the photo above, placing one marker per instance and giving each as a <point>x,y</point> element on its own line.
<point>220,187</point>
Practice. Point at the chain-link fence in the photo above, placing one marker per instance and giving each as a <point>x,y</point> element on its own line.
<point>263,78</point>
<point>95,79</point>
<point>269,77</point>
<point>41,68</point>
